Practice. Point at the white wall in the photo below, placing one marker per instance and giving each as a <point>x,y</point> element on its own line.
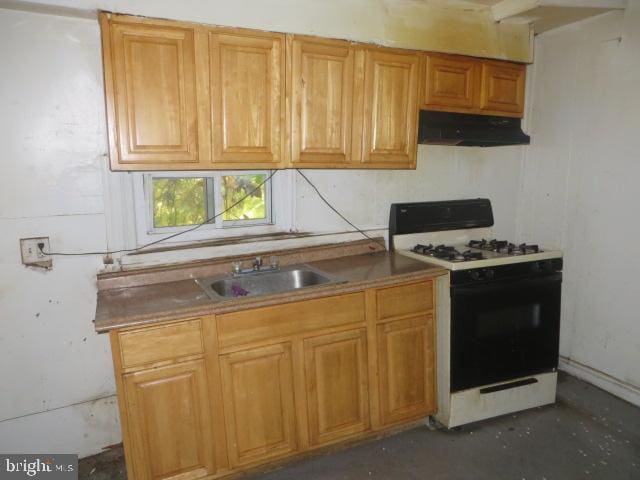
<point>580,190</point>
<point>56,381</point>
<point>442,173</point>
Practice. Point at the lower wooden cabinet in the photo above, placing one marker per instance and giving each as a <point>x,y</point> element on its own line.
<point>169,422</point>
<point>257,390</point>
<point>406,360</point>
<point>216,395</point>
<point>336,381</point>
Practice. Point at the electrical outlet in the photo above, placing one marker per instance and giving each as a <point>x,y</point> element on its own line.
<point>32,256</point>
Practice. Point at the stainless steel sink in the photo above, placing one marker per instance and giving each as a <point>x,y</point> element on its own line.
<point>265,282</point>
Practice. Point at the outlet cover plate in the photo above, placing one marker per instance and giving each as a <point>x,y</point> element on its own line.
<point>32,256</point>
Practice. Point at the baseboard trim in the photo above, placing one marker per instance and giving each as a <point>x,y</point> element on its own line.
<point>619,388</point>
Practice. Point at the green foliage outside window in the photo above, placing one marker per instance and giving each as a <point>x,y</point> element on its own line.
<point>234,187</point>
<point>185,201</point>
<point>179,201</point>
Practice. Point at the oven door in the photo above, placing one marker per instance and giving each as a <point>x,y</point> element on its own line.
<point>504,330</point>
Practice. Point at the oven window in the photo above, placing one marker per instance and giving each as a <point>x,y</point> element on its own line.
<point>508,320</point>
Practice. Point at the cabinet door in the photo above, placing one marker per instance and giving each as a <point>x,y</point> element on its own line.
<point>406,360</point>
<point>150,79</point>
<point>257,388</point>
<point>390,109</point>
<point>450,82</point>
<point>321,96</point>
<point>247,94</point>
<point>169,422</point>
<point>502,90</point>
<point>336,385</point>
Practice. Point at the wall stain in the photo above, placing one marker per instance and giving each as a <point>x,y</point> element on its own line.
<point>454,30</point>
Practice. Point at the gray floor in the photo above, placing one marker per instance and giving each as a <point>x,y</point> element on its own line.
<point>587,434</point>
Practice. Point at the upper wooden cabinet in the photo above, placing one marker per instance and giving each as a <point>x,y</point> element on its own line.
<point>503,88</point>
<point>183,96</point>
<point>321,90</point>
<point>449,82</point>
<point>390,100</point>
<point>455,83</point>
<point>247,98</point>
<point>150,81</point>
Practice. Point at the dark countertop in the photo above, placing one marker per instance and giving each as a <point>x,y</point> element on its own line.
<point>159,302</point>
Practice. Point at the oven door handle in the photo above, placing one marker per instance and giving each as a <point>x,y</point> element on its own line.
<point>506,284</point>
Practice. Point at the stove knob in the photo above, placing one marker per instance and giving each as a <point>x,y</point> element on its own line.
<point>489,273</point>
<point>474,274</point>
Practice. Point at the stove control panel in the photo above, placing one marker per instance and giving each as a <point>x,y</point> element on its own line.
<point>482,273</point>
<point>513,270</point>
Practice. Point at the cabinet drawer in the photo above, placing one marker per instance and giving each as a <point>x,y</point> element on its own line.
<point>154,344</point>
<point>292,318</point>
<point>404,300</point>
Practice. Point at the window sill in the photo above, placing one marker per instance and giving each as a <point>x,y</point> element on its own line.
<point>263,237</point>
<point>233,246</point>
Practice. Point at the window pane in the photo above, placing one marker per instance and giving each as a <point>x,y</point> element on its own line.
<point>234,187</point>
<point>179,201</point>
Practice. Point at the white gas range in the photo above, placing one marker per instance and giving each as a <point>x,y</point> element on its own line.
<point>498,309</point>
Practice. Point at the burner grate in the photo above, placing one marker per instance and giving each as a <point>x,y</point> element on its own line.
<point>503,246</point>
<point>447,252</point>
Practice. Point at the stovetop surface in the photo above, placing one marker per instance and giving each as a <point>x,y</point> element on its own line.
<point>469,248</point>
<point>477,258</point>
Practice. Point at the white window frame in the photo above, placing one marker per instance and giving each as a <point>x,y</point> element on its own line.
<point>279,212</point>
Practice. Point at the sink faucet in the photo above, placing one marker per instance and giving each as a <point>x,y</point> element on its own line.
<point>256,266</point>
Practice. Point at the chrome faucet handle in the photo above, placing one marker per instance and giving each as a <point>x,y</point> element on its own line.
<point>274,262</point>
<point>257,263</point>
<point>236,267</point>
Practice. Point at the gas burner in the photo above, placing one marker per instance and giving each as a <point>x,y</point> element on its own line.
<point>423,249</point>
<point>503,246</point>
<point>495,245</point>
<point>447,252</point>
<point>469,255</point>
<point>524,249</point>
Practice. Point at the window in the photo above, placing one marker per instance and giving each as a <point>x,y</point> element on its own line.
<point>168,202</point>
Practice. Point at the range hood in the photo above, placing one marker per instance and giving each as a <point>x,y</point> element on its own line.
<point>467,130</point>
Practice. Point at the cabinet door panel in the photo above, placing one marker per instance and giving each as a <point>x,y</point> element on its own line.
<point>247,90</point>
<point>154,94</point>
<point>406,360</point>
<point>322,96</point>
<point>391,108</point>
<point>336,385</point>
<point>502,88</point>
<point>258,398</point>
<point>169,422</point>
<point>450,82</point>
